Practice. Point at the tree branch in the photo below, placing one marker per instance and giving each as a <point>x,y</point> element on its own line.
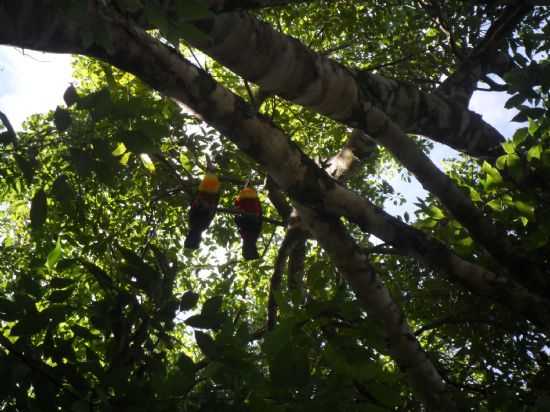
<point>331,89</point>
<point>11,135</point>
<point>292,237</point>
<point>165,70</point>
<point>485,57</point>
<point>376,300</point>
<point>359,101</point>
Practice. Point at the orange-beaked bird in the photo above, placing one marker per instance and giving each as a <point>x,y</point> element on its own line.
<point>202,209</point>
<point>249,221</point>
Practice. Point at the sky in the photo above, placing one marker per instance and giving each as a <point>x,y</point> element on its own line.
<point>33,82</point>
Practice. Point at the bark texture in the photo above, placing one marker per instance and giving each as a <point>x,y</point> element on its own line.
<point>164,69</point>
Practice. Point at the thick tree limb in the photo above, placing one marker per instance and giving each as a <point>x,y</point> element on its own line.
<point>296,73</point>
<point>165,70</point>
<point>317,95</point>
<point>375,298</point>
<point>292,237</point>
<point>283,65</point>
<point>296,262</point>
<point>278,200</point>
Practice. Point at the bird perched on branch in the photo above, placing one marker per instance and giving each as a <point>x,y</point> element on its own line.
<point>202,209</point>
<point>249,221</point>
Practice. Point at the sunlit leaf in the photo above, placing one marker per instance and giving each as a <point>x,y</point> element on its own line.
<point>119,150</point>
<point>39,209</point>
<point>54,255</point>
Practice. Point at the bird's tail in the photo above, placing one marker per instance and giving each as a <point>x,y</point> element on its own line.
<point>250,251</point>
<point>193,239</point>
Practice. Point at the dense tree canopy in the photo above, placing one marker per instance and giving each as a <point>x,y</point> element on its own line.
<point>348,308</point>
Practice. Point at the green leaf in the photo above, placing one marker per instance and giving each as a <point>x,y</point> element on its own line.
<point>27,167</point>
<point>119,150</point>
<point>54,255</point>
<point>100,275</point>
<point>436,213</point>
<point>533,126</point>
<point>124,158</point>
<point>138,142</point>
<point>202,322</point>
<point>534,152</point>
<point>62,191</point>
<point>495,205</point>
<point>212,305</point>
<point>29,325</point>
<point>60,283</point>
<point>39,209</point>
<point>521,117</point>
<point>493,176</point>
<point>491,171</point>
<point>206,344</point>
<point>520,135</point>
<point>61,295</point>
<point>62,119</point>
<point>525,209</point>
<point>9,310</point>
<point>147,162</point>
<point>514,101</point>
<point>534,113</point>
<point>474,195</point>
<point>501,162</point>
<point>188,301</point>
<point>509,147</point>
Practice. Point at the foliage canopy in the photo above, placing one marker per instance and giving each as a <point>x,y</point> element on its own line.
<point>102,309</point>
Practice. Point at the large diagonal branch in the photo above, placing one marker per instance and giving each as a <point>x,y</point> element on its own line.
<point>282,65</point>
<point>293,71</point>
<point>379,305</point>
<point>341,167</point>
<point>166,71</point>
<point>262,55</point>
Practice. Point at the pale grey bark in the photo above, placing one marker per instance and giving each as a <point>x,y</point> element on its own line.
<point>135,51</point>
<point>378,106</point>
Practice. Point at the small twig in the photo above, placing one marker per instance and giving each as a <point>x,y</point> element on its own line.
<point>235,211</point>
<point>266,248</point>
<point>392,63</point>
<point>335,49</point>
